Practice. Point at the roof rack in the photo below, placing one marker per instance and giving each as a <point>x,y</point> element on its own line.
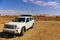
<point>26,15</point>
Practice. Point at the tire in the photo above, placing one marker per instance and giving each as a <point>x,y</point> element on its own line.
<point>22,32</point>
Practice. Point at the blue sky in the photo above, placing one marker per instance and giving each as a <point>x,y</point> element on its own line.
<point>32,6</point>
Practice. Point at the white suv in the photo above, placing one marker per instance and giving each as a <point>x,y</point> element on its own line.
<point>19,25</point>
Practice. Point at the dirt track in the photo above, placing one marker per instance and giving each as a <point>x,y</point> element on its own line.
<point>43,30</point>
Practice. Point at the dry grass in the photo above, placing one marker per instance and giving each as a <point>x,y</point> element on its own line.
<point>43,30</point>
<point>4,19</point>
<point>47,18</point>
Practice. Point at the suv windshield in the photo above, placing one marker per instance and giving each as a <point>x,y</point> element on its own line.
<point>19,20</point>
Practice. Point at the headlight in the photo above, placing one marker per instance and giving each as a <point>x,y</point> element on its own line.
<point>16,27</point>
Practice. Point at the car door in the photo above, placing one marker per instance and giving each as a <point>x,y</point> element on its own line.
<point>31,22</point>
<point>27,23</point>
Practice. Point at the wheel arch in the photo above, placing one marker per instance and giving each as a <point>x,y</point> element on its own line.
<point>24,28</point>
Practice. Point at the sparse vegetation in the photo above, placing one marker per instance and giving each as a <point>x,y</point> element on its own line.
<point>43,18</point>
<point>4,19</point>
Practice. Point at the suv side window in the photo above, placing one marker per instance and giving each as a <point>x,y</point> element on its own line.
<point>31,18</point>
<point>27,20</point>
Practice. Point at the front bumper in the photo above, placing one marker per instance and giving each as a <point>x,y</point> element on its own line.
<point>13,32</point>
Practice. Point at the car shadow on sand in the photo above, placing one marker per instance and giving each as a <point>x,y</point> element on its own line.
<point>6,35</point>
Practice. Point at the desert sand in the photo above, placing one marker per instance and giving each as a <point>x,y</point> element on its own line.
<point>42,30</point>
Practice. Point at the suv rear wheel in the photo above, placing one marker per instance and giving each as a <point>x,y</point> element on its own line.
<point>32,25</point>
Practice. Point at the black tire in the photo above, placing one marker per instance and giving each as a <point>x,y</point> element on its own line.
<point>22,31</point>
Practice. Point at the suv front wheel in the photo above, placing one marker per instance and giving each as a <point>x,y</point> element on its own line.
<point>22,31</point>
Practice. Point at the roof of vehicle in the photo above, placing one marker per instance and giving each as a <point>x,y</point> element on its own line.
<point>25,16</point>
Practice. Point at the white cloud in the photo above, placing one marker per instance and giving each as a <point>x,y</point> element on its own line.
<point>13,12</point>
<point>10,12</point>
<point>43,3</point>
